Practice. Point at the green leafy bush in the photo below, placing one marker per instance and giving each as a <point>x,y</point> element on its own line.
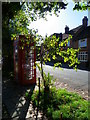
<point>56,115</point>
<point>76,110</point>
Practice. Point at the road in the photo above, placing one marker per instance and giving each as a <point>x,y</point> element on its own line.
<point>76,80</point>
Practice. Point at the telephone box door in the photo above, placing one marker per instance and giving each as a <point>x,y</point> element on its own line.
<point>28,65</point>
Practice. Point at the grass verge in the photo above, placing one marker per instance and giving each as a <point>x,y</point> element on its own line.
<point>54,102</point>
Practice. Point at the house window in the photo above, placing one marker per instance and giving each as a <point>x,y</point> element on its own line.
<point>68,43</point>
<point>83,43</point>
<point>83,56</point>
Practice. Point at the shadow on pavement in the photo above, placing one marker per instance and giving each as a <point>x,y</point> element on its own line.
<point>13,97</point>
<point>80,67</point>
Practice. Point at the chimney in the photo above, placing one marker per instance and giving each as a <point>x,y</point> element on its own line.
<point>60,36</point>
<point>85,21</point>
<point>66,29</point>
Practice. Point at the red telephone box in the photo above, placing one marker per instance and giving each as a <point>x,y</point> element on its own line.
<point>24,61</point>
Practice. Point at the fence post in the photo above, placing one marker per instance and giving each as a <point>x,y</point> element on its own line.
<point>39,85</point>
<point>38,97</point>
<point>61,116</point>
<point>41,60</point>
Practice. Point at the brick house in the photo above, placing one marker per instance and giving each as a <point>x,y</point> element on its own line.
<point>80,39</point>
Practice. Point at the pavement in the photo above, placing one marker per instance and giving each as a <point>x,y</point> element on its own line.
<point>14,98</point>
<point>16,103</point>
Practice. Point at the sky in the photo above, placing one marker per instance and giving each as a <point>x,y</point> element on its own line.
<point>57,24</point>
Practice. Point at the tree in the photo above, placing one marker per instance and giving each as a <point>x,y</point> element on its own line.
<point>22,11</point>
<point>82,5</point>
<point>15,11</point>
<point>8,12</point>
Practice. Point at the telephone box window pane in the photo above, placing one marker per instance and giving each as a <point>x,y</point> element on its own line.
<point>16,61</point>
<point>30,62</point>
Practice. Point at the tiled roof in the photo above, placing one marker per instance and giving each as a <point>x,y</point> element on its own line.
<point>84,33</point>
<point>65,36</point>
<point>57,35</point>
<point>72,32</point>
<point>77,33</point>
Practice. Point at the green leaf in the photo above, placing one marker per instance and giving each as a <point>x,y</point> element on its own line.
<point>22,47</point>
<point>51,44</point>
<point>60,53</point>
<point>42,4</point>
<point>54,57</point>
<point>48,59</point>
<point>61,44</point>
<point>27,42</point>
<point>11,38</point>
<point>26,94</point>
<point>65,59</point>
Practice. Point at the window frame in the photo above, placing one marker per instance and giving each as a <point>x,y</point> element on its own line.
<point>82,43</point>
<point>83,56</point>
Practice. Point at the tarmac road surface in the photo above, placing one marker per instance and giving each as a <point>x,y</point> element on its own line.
<point>76,80</point>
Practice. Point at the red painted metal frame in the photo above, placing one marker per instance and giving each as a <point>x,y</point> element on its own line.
<point>22,70</point>
<point>15,73</point>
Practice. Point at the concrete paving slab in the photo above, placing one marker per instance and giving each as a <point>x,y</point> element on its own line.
<point>14,98</point>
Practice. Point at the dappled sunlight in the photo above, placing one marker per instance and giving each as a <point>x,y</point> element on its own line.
<point>14,98</point>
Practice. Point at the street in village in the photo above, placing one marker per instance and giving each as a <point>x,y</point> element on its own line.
<point>70,79</point>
